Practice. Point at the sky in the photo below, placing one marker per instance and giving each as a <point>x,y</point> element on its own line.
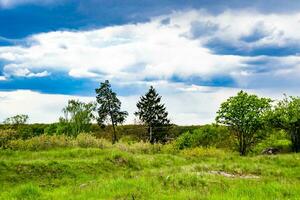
<point>196,53</point>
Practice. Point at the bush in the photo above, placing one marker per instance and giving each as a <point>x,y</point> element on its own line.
<point>51,129</point>
<point>87,140</point>
<point>277,139</point>
<point>206,136</point>
<point>42,142</point>
<point>6,135</point>
<point>45,142</point>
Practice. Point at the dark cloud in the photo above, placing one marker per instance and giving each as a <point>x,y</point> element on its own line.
<point>258,33</point>
<point>223,47</point>
<point>200,28</point>
<point>32,18</point>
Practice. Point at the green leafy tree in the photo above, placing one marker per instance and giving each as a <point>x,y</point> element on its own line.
<point>286,115</point>
<point>245,115</point>
<point>16,120</point>
<point>153,113</point>
<point>78,117</point>
<point>109,108</point>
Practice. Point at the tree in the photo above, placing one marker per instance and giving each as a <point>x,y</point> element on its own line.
<point>286,115</point>
<point>78,117</point>
<point>153,113</point>
<point>245,115</point>
<point>16,120</point>
<point>109,108</point>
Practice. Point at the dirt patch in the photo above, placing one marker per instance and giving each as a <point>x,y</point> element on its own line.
<point>226,174</point>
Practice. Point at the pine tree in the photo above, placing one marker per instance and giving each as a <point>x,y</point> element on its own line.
<point>109,108</point>
<point>153,113</point>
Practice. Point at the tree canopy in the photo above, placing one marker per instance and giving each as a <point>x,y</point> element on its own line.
<point>109,108</point>
<point>78,117</point>
<point>286,115</point>
<point>153,113</point>
<point>16,120</point>
<point>244,114</point>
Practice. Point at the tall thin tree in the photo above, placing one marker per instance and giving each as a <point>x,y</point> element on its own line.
<point>152,113</point>
<point>109,108</point>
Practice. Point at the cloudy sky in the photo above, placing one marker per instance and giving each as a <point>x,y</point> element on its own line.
<point>196,53</point>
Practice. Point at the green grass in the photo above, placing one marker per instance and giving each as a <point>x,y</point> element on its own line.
<point>113,173</point>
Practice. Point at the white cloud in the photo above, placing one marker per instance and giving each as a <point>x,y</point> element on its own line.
<point>129,54</point>
<point>185,107</point>
<point>150,48</point>
<point>13,3</point>
<point>39,107</point>
<point>16,70</point>
<point>134,52</point>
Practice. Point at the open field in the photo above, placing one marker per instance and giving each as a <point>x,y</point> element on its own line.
<point>120,172</point>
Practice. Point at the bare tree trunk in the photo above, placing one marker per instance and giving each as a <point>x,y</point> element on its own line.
<point>114,136</point>
<point>295,137</point>
<point>242,145</point>
<point>150,134</point>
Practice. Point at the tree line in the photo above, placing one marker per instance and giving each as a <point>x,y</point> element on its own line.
<point>248,117</point>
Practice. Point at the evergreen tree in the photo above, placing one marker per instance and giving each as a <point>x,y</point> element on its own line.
<point>153,113</point>
<point>109,108</point>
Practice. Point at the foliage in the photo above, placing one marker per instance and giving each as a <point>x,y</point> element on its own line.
<point>277,139</point>
<point>206,136</point>
<point>5,136</point>
<point>51,129</point>
<point>63,127</point>
<point>42,142</point>
<point>245,115</point>
<point>153,113</point>
<point>24,131</point>
<point>45,142</point>
<point>87,140</point>
<point>286,115</point>
<point>109,108</point>
<point>78,117</point>
<point>16,120</point>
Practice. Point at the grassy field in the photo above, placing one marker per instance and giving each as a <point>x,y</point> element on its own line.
<point>119,173</point>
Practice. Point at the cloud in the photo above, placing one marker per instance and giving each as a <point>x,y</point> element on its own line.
<point>17,71</point>
<point>200,105</point>
<point>188,56</point>
<point>187,105</point>
<point>39,107</point>
<point>133,52</point>
<point>234,48</point>
<point>13,3</point>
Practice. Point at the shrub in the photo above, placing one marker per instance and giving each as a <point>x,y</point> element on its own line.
<point>51,129</point>
<point>88,140</point>
<point>184,141</point>
<point>5,136</point>
<point>277,139</point>
<point>42,142</point>
<point>206,136</point>
<point>140,147</point>
<point>25,132</point>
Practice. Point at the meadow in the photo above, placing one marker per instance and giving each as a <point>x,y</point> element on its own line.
<point>90,168</point>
